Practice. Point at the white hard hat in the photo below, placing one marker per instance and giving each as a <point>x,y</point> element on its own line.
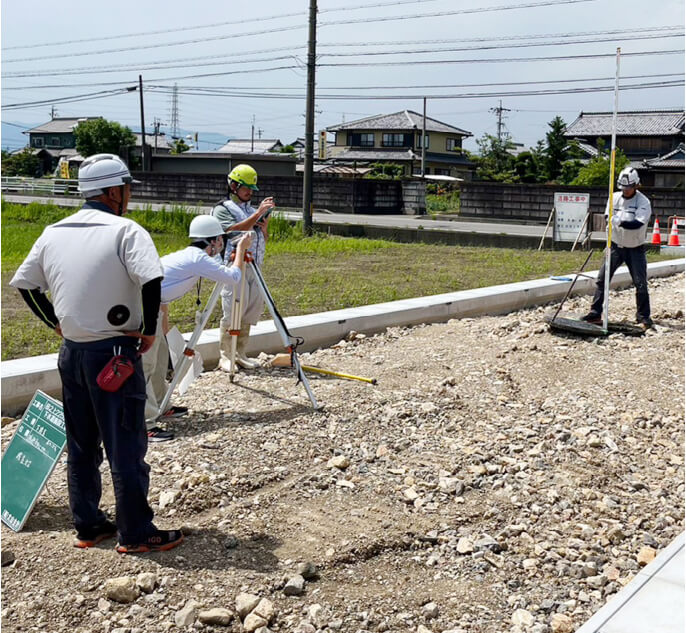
<point>101,171</point>
<point>628,177</point>
<point>205,226</point>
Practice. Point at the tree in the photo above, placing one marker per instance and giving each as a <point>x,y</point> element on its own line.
<point>555,152</point>
<point>287,149</point>
<point>179,146</point>
<point>97,136</point>
<point>597,172</point>
<point>24,163</point>
<point>494,161</point>
<point>385,171</point>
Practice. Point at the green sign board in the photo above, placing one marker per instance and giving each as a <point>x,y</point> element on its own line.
<point>30,457</point>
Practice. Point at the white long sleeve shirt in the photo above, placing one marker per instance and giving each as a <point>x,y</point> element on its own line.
<point>183,268</point>
<point>625,210</point>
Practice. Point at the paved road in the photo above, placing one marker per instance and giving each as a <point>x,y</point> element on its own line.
<point>387,221</point>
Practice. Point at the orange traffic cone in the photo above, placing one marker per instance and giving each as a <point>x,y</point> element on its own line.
<point>674,235</point>
<point>657,238</point>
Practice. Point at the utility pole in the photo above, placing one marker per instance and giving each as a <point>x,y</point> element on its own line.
<point>424,141</point>
<point>53,113</point>
<point>144,162</point>
<point>309,120</point>
<point>252,134</point>
<point>499,111</point>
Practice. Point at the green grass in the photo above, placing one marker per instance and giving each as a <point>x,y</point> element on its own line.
<point>304,275</point>
<point>448,202</point>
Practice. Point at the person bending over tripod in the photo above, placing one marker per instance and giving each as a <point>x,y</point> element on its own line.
<point>184,270</point>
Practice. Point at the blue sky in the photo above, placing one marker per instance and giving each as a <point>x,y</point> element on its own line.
<point>53,32</point>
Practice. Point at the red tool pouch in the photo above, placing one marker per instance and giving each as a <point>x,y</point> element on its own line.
<point>115,373</point>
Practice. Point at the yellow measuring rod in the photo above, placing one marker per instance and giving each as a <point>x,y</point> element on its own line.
<point>328,372</point>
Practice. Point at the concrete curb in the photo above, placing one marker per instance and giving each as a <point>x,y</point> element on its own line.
<point>20,378</point>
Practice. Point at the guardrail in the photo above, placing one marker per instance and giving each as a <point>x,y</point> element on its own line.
<point>51,186</point>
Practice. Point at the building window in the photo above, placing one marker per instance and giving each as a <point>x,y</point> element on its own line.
<point>356,139</point>
<point>38,141</point>
<point>393,140</point>
<point>419,141</point>
<point>453,144</point>
<point>55,141</point>
<point>367,140</point>
<point>441,172</point>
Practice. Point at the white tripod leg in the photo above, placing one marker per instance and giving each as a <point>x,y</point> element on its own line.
<point>189,351</point>
<point>289,342</point>
<point>235,327</point>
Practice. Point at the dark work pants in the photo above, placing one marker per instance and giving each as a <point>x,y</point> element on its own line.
<point>117,420</point>
<point>635,259</point>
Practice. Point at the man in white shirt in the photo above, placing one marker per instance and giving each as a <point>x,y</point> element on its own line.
<point>630,216</point>
<point>183,271</point>
<point>103,275</point>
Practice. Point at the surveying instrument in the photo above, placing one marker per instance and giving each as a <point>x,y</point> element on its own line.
<point>290,342</point>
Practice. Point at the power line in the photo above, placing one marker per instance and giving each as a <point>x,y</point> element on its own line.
<point>554,91</point>
<point>529,5</point>
<point>211,25</point>
<point>170,64</point>
<point>501,60</point>
<point>652,29</point>
<point>412,62</point>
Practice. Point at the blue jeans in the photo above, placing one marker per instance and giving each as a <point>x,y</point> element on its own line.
<point>117,420</point>
<point>635,259</point>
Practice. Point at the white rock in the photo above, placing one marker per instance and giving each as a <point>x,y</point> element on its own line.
<point>217,616</point>
<point>338,461</point>
<point>186,616</point>
<point>253,622</point>
<point>465,545</point>
<point>146,581</point>
<point>295,586</point>
<point>264,609</point>
<point>122,589</point>
<point>561,623</point>
<point>245,603</point>
<point>317,615</point>
<point>522,618</point>
<point>167,498</point>
<point>430,610</point>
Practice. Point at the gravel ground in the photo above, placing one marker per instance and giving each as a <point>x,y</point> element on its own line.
<point>497,479</point>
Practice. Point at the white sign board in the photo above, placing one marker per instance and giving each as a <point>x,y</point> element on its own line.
<point>571,210</point>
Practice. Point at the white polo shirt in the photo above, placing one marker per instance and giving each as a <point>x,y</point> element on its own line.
<point>183,268</point>
<point>94,264</point>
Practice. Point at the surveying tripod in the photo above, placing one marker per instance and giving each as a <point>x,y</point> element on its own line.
<point>290,342</point>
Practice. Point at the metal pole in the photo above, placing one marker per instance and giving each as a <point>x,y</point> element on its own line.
<point>143,158</point>
<point>424,141</point>
<point>610,202</point>
<point>545,230</point>
<point>309,121</point>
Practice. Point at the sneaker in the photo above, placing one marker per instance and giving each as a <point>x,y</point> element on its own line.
<point>157,434</point>
<point>158,541</point>
<point>93,536</point>
<point>593,317</point>
<point>645,325</point>
<point>174,412</point>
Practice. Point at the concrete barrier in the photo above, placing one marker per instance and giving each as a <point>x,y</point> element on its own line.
<point>20,378</point>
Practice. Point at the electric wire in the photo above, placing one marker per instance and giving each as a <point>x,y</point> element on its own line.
<point>212,25</point>
<point>529,5</point>
<point>481,95</point>
<point>234,58</point>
